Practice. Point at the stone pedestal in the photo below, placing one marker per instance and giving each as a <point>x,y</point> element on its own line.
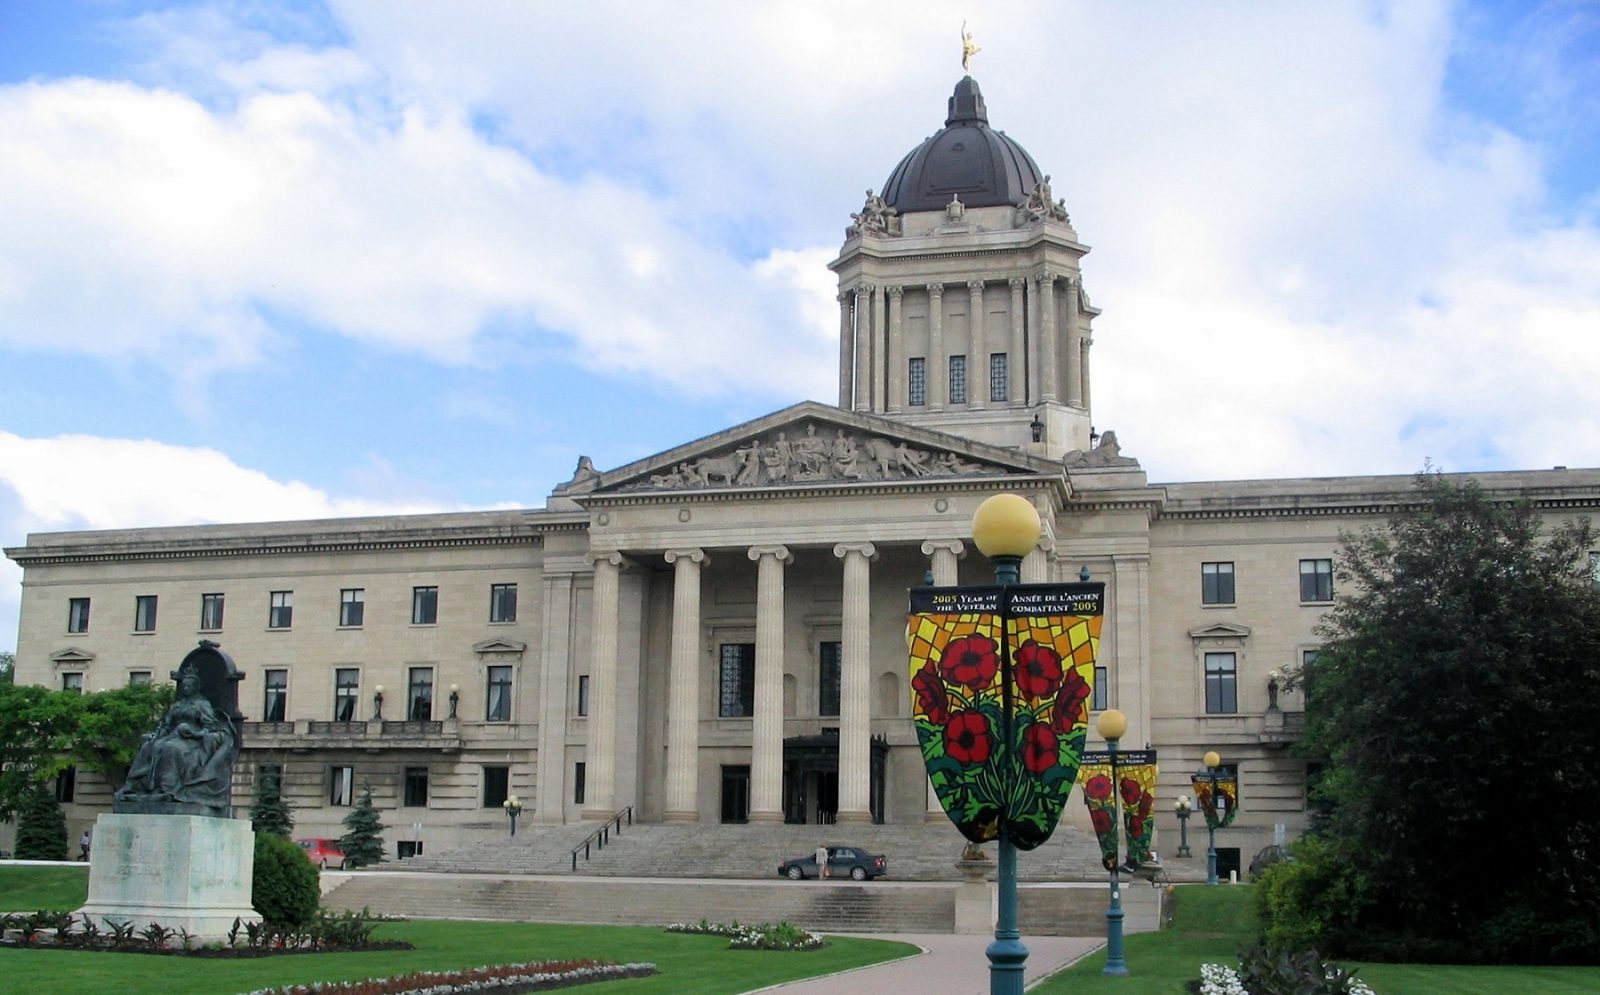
<point>187,871</point>
<point>974,899</point>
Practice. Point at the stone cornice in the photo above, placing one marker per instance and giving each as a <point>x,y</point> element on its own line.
<point>774,492</point>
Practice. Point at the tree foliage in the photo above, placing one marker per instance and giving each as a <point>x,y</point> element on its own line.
<point>1453,700</point>
<point>8,667</point>
<point>284,888</point>
<point>270,813</point>
<point>362,842</point>
<point>41,828</point>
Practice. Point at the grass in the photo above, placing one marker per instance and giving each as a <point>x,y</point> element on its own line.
<point>685,962</point>
<point>1214,924</point>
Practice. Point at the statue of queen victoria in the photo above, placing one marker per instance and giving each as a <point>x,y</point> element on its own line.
<point>185,765</point>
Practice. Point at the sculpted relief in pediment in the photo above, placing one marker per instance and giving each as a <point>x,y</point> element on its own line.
<point>813,456</point>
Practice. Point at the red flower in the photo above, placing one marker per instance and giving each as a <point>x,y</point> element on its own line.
<point>1101,818</point>
<point>1069,712</point>
<point>1040,749</point>
<point>1146,802</point>
<point>1098,787</point>
<point>1038,670</point>
<point>970,661</point>
<point>1131,791</point>
<point>966,738</point>
<point>931,698</point>
<point>1136,827</point>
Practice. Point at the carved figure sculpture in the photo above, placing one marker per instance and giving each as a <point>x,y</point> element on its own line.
<point>1107,453</point>
<point>187,760</point>
<point>811,454</point>
<point>876,217</point>
<point>968,48</point>
<point>844,457</point>
<point>1039,205</point>
<point>709,468</point>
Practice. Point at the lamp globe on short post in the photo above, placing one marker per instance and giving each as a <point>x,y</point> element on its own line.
<point>455,698</point>
<point>1111,727</point>
<point>1213,760</point>
<point>377,702</point>
<point>1005,528</point>
<point>1181,808</point>
<point>513,807</point>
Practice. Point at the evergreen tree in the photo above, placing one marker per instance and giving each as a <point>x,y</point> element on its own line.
<point>41,828</point>
<point>363,842</point>
<point>270,813</point>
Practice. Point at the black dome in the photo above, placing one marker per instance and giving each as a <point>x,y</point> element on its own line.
<point>966,159</point>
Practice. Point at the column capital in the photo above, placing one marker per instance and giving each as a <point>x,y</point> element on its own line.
<point>1046,277</point>
<point>843,297</point>
<point>895,291</point>
<point>613,557</point>
<point>866,549</point>
<point>953,546</point>
<point>975,286</point>
<point>936,290</point>
<point>1017,282</point>
<point>694,555</point>
<point>780,553</point>
<point>864,288</point>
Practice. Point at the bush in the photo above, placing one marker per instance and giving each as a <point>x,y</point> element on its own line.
<point>285,891</point>
<point>41,828</point>
<point>1311,901</point>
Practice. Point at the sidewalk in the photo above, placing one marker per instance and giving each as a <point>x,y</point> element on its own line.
<point>951,964</point>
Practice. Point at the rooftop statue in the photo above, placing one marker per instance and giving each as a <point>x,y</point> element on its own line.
<point>185,765</point>
<point>968,48</point>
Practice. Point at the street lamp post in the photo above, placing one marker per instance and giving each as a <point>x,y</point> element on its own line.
<point>1111,726</point>
<point>1181,808</point>
<point>1005,528</point>
<point>513,807</point>
<point>1213,760</point>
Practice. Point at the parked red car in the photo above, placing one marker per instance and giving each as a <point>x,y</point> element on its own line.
<point>323,852</point>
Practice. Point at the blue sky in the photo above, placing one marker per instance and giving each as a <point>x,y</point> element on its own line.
<point>264,260</point>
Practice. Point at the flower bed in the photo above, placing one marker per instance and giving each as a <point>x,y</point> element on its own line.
<point>762,936</point>
<point>499,979</point>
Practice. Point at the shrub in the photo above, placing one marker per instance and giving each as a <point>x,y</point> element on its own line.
<point>1311,901</point>
<point>363,843</point>
<point>285,891</point>
<point>41,828</point>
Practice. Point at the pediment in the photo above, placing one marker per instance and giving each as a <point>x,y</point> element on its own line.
<point>1220,630</point>
<point>808,445</point>
<point>499,645</point>
<point>71,655</point>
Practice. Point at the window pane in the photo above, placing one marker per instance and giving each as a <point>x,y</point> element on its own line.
<point>72,682</point>
<point>416,786</point>
<point>579,770</point>
<point>138,677</point>
<point>917,382</point>
<point>66,784</point>
<point>210,611</point>
<point>503,603</point>
<point>496,785</point>
<point>347,683</point>
<point>958,380</point>
<point>1221,684</point>
<point>999,384</point>
<point>1316,580</point>
<point>738,691</point>
<point>276,702</point>
<point>77,614</point>
<point>1102,690</point>
<point>828,660</point>
<point>424,605</point>
<point>341,785</point>
<point>280,611</point>
<point>352,606</point>
<point>144,613</point>
<point>419,694</point>
<point>1216,583</point>
<point>583,694</point>
<point>499,698</point>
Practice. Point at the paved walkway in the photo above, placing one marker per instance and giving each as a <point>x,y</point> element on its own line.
<point>950,964</point>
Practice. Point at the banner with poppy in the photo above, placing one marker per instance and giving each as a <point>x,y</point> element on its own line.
<point>1135,783</point>
<point>1226,798</point>
<point>1000,683</point>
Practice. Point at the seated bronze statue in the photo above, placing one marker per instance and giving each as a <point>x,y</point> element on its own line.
<point>185,765</point>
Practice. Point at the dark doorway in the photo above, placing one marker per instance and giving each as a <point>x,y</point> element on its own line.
<point>811,778</point>
<point>736,793</point>
<point>1227,862</point>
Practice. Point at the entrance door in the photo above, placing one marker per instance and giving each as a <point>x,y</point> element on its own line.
<point>827,796</point>
<point>736,793</point>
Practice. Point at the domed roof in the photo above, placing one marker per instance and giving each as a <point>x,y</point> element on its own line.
<point>966,159</point>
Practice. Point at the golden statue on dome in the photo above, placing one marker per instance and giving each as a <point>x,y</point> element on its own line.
<point>969,48</point>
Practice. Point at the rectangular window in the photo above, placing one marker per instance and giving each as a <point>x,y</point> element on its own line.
<point>828,671</point>
<point>958,380</point>
<point>583,694</point>
<point>346,686</point>
<point>1216,583</point>
<point>352,607</point>
<point>579,769</point>
<point>210,612</point>
<point>1316,580</point>
<point>77,614</point>
<point>144,613</point>
<point>66,784</point>
<point>419,694</point>
<point>341,785</point>
<point>1222,684</point>
<point>917,382</point>
<point>280,610</point>
<point>496,785</point>
<point>275,700</point>
<point>72,682</point>
<point>737,692</point>
<point>499,697</point>
<point>503,603</point>
<point>1102,689</point>
<point>1308,659</point>
<point>416,787</point>
<point>138,677</point>
<point>999,377</point>
<point>424,605</point>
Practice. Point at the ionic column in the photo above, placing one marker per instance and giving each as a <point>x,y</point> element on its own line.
<point>1074,372</point>
<point>847,350</point>
<point>601,750</point>
<point>880,347</point>
<point>897,352</point>
<point>1017,364</point>
<point>978,362</point>
<point>855,705</point>
<point>766,748</point>
<point>1036,565</point>
<point>683,696</point>
<point>1083,369</point>
<point>863,348</point>
<point>945,553</point>
<point>938,362</point>
<point>1048,372</point>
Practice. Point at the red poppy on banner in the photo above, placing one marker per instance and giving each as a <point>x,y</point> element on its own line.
<point>1000,683</point>
<point>1134,785</point>
<point>1220,808</point>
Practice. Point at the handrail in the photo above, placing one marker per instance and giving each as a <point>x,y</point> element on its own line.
<point>600,837</point>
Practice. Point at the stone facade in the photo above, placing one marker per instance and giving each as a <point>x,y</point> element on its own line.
<point>717,632</point>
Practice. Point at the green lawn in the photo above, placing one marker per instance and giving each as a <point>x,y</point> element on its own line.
<point>1214,924</point>
<point>686,963</point>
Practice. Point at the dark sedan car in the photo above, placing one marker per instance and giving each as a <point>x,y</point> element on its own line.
<point>842,860</point>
